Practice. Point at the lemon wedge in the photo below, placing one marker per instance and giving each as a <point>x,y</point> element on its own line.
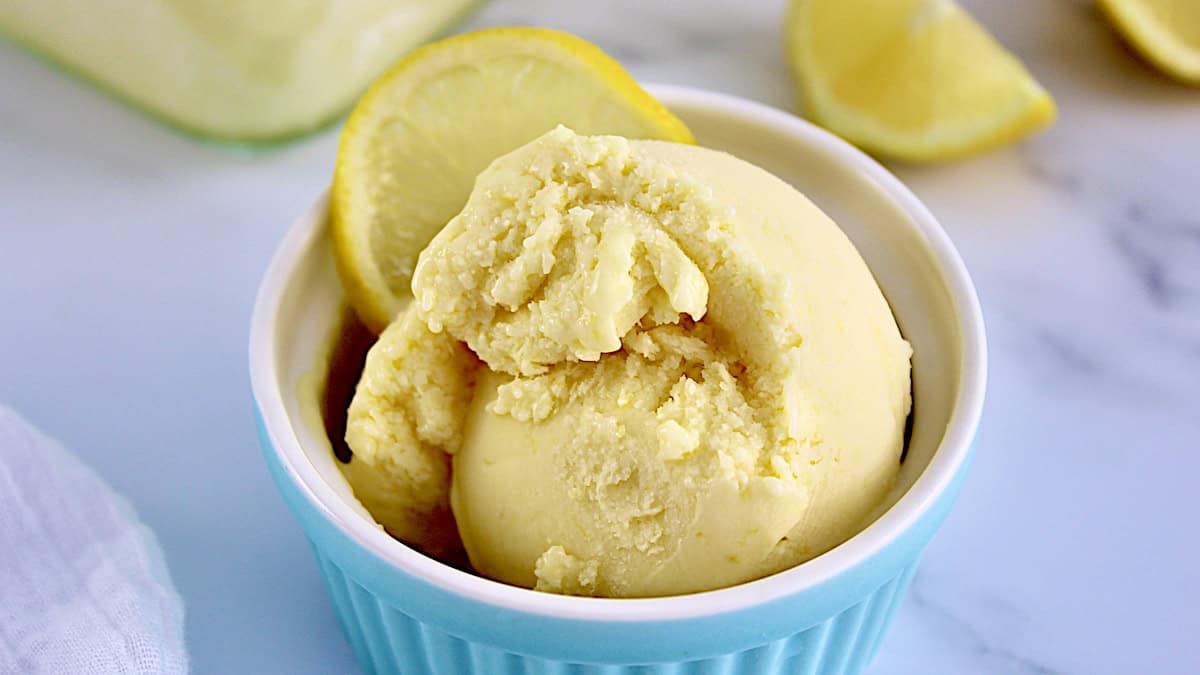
<point>414,143</point>
<point>1166,32</point>
<point>918,80</point>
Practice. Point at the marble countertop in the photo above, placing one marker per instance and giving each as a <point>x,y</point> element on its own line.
<point>129,259</point>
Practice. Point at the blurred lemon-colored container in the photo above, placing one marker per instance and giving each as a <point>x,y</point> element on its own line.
<point>235,70</point>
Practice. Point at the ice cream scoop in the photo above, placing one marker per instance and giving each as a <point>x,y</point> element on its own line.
<point>681,373</point>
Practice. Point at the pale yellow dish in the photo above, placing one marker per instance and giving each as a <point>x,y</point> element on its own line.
<point>246,71</point>
<point>657,368</point>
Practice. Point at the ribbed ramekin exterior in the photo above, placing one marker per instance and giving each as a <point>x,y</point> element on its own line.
<point>386,640</point>
<point>397,623</point>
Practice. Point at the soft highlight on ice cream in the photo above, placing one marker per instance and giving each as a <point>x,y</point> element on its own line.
<point>657,369</point>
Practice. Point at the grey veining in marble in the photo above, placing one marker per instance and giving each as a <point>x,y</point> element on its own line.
<point>129,258</point>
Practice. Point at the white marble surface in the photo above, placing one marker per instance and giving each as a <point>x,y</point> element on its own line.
<point>129,259</point>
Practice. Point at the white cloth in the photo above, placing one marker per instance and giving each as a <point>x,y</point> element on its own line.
<point>83,584</point>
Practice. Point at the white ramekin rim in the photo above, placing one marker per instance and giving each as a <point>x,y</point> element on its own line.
<point>933,481</point>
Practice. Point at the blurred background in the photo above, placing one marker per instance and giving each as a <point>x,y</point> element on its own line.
<point>130,255</point>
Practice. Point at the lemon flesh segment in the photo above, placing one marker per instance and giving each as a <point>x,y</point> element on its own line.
<point>1165,32</point>
<point>415,142</point>
<point>230,69</point>
<point>914,79</point>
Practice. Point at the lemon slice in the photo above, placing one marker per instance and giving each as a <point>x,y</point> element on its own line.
<point>1166,32</point>
<point>416,140</point>
<point>914,79</point>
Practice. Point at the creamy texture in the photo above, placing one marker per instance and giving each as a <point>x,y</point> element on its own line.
<point>687,377</point>
<point>405,418</point>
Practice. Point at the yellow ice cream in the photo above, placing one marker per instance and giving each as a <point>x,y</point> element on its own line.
<point>683,374</point>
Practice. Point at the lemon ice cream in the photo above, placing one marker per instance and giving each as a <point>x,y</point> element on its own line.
<point>633,368</point>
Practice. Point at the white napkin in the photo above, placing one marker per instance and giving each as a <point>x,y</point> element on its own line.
<point>83,585</point>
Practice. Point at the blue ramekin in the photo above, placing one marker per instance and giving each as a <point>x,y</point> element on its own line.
<point>405,613</point>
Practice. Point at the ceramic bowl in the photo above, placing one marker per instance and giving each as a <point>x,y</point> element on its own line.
<point>405,612</point>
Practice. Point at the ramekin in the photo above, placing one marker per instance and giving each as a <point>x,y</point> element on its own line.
<point>406,613</point>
